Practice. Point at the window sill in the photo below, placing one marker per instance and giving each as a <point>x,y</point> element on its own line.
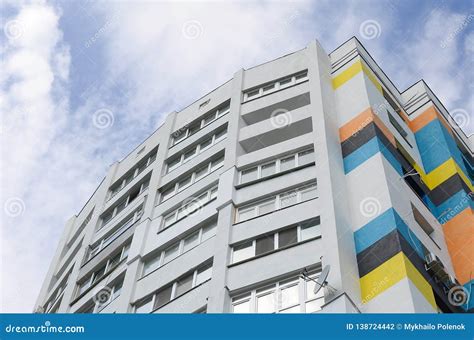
<point>274,211</point>
<point>96,283</point>
<point>281,173</point>
<point>172,146</point>
<point>273,251</point>
<point>179,296</point>
<point>273,92</point>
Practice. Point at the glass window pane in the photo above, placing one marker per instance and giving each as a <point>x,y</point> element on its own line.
<point>249,175</point>
<point>265,244</point>
<point>287,163</point>
<point>246,213</point>
<point>253,93</point>
<point>107,217</point>
<point>114,261</point>
<point>217,163</point>
<point>223,110</point>
<point>173,164</point>
<point>266,303</point>
<point>268,169</point>
<point>242,252</point>
<point>221,134</point>
<point>285,81</point>
<point>167,193</point>
<point>117,290</point>
<point>84,286</point>
<point>184,284</point>
<point>302,75</point>
<point>99,274</point>
<point>179,136</point>
<point>305,157</point>
<point>171,253</point>
<point>194,128</point>
<point>308,193</point>
<point>191,241</point>
<point>184,183</point>
<point>200,173</point>
<point>208,231</point>
<point>144,307</point>
<point>310,231</point>
<point>241,307</point>
<point>163,296</point>
<point>288,199</point>
<point>207,143</point>
<point>268,87</point>
<point>189,154</point>
<point>170,219</point>
<point>287,237</point>
<point>151,264</point>
<point>209,118</point>
<point>289,296</point>
<point>266,207</point>
<point>314,306</point>
<point>204,274</point>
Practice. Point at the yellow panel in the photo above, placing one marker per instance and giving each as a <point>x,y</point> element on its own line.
<point>372,78</point>
<point>389,273</point>
<point>382,277</point>
<point>420,282</point>
<point>347,74</point>
<point>443,172</point>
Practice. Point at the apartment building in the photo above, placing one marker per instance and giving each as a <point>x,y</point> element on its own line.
<point>237,203</point>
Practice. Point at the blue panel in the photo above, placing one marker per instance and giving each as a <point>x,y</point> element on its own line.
<point>359,156</point>
<point>391,158</point>
<point>469,287</point>
<point>453,206</point>
<point>433,148</point>
<point>409,236</point>
<point>374,230</point>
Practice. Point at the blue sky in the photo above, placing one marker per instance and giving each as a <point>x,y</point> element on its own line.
<point>83,83</point>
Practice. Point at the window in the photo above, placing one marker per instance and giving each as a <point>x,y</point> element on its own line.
<point>249,175</point>
<point>266,302</point>
<point>191,241</point>
<point>287,237</point>
<point>175,289</point>
<point>163,297</point>
<point>123,203</point>
<point>279,201</point>
<point>275,85</point>
<point>112,292</point>
<point>398,127</point>
<point>195,149</point>
<point>268,169</point>
<point>305,157</point>
<point>287,163</point>
<point>243,251</point>
<point>107,267</point>
<point>192,178</point>
<point>134,172</point>
<point>284,238</point>
<point>264,245</point>
<point>310,230</point>
<point>171,253</point>
<point>283,164</point>
<point>144,306</point>
<point>180,247</point>
<point>293,295</point>
<point>194,127</point>
<point>117,231</point>
<point>204,274</point>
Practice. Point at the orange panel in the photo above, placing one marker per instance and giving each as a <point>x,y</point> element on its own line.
<point>426,117</point>
<point>356,124</point>
<point>459,235</point>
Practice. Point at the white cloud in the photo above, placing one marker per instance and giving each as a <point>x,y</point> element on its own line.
<point>34,67</point>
